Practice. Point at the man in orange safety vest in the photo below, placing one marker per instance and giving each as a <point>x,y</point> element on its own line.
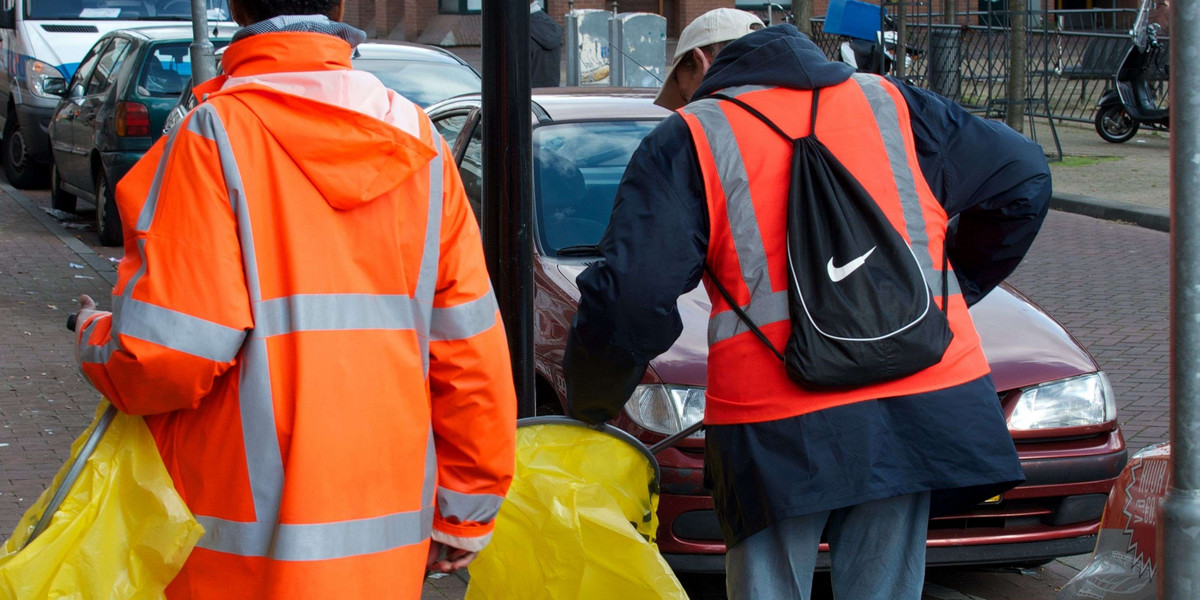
<point>304,317</point>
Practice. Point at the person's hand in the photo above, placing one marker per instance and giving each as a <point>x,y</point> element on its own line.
<point>444,559</point>
<point>87,308</point>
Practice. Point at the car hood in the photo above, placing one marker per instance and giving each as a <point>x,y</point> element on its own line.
<point>1024,345</point>
<point>64,49</point>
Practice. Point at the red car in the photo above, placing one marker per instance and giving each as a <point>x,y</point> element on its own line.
<point>1060,407</point>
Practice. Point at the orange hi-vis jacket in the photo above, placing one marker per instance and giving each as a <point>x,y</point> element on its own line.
<point>304,316</point>
<point>746,166</point>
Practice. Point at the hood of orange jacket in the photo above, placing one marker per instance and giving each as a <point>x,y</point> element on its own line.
<point>383,155</point>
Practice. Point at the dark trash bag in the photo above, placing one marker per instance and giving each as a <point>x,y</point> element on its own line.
<point>861,310</point>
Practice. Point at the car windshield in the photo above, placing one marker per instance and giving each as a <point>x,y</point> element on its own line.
<point>422,82</point>
<point>576,169</point>
<point>145,10</point>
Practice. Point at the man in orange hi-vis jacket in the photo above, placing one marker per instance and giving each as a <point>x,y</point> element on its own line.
<point>304,316</point>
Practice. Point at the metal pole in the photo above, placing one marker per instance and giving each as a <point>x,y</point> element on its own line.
<point>901,50</point>
<point>203,64</point>
<point>507,186</point>
<point>1179,530</point>
<point>572,45</point>
<point>616,65</point>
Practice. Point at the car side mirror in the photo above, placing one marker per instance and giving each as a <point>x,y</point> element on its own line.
<point>55,86</point>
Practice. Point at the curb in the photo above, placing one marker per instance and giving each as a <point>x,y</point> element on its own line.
<point>1158,219</point>
<point>104,268</point>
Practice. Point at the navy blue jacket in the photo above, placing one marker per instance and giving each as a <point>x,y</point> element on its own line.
<point>993,182</point>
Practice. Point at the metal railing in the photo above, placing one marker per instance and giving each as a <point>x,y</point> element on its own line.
<point>1067,70</point>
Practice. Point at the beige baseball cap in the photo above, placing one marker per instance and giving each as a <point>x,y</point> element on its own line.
<point>713,27</point>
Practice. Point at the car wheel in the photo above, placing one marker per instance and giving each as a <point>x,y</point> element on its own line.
<point>60,199</point>
<point>1114,124</point>
<point>20,168</point>
<point>108,222</point>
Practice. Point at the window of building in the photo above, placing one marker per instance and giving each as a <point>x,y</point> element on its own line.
<point>459,7</point>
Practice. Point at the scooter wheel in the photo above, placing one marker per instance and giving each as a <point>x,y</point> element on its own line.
<point>1114,124</point>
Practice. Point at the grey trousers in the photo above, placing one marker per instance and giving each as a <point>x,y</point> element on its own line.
<point>877,552</point>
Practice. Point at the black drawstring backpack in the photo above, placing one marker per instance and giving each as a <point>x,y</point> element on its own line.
<point>861,311</point>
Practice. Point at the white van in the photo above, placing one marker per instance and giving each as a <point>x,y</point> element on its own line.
<point>41,43</point>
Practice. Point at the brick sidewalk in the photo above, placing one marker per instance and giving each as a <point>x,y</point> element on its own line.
<point>1108,283</point>
<point>44,401</point>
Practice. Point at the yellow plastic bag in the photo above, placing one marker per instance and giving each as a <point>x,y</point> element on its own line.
<point>122,531</point>
<point>577,523</point>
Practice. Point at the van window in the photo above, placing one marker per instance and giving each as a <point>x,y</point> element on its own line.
<point>167,10</point>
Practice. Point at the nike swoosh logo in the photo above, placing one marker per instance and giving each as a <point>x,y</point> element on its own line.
<point>837,274</point>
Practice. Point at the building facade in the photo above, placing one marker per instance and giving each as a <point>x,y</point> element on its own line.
<point>458,22</point>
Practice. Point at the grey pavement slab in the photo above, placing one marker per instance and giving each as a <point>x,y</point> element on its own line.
<point>1120,182</point>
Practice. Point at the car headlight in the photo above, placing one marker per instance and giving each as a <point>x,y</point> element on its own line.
<point>1078,401</point>
<point>666,409</point>
<point>45,80</point>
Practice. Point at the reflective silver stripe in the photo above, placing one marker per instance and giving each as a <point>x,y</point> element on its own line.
<point>429,486</point>
<point>93,354</point>
<point>319,541</point>
<point>736,91</point>
<point>431,254</point>
<point>333,312</point>
<point>478,508</point>
<point>147,214</point>
<point>763,311</point>
<point>347,312</point>
<point>264,463</point>
<point>743,222</point>
<point>206,123</point>
<point>178,331</point>
<point>465,320</point>
<point>887,120</point>
<point>145,218</point>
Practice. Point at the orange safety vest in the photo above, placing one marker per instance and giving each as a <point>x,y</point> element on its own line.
<point>305,317</point>
<point>747,170</point>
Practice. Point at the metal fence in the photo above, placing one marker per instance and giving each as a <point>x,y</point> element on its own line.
<point>1072,56</point>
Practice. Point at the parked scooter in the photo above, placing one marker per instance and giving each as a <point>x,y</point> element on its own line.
<point>1130,102</point>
